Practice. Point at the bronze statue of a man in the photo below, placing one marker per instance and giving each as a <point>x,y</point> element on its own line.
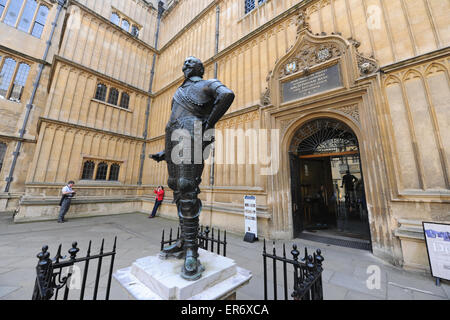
<point>196,106</point>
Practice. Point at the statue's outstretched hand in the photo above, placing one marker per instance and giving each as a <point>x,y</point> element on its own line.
<point>160,156</point>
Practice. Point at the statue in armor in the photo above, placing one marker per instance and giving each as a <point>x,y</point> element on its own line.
<point>196,107</point>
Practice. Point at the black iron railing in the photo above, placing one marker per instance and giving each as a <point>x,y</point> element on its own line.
<point>53,275</point>
<point>307,274</point>
<point>206,240</point>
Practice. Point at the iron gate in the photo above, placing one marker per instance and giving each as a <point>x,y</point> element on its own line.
<point>53,275</point>
<point>206,240</point>
<point>307,274</point>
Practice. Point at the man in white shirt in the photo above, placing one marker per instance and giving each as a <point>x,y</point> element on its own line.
<point>67,195</point>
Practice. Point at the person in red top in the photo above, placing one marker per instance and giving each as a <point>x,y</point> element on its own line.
<point>159,199</point>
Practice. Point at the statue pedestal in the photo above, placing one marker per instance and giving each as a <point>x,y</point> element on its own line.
<point>151,278</point>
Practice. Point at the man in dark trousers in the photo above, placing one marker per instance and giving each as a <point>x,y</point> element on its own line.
<point>67,195</point>
<point>196,107</point>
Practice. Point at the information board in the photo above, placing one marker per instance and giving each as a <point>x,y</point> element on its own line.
<point>437,239</point>
<point>306,85</point>
<point>250,215</point>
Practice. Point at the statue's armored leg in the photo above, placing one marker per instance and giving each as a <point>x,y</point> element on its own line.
<point>177,249</point>
<point>190,209</point>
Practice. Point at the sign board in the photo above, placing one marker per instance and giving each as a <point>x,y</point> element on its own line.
<point>250,215</point>
<point>306,85</point>
<point>437,239</point>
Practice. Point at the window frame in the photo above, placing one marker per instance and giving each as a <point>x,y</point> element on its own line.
<point>96,166</point>
<point>96,92</point>
<point>256,4</point>
<point>120,96</point>
<point>13,82</point>
<point>39,4</point>
<point>110,92</point>
<point>90,172</point>
<point>131,23</point>
<point>33,24</point>
<point>103,164</point>
<point>2,156</point>
<point>18,63</point>
<point>121,100</point>
<point>110,171</point>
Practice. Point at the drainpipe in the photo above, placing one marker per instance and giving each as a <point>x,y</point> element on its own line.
<point>213,150</point>
<point>149,100</point>
<point>216,51</point>
<point>29,106</point>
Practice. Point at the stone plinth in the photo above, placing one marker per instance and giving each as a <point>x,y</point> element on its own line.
<point>151,278</point>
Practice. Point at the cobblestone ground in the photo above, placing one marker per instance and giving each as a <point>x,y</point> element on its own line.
<point>344,277</point>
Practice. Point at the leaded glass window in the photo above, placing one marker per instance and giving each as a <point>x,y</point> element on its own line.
<point>3,147</point>
<point>125,25</point>
<point>100,94</point>
<point>39,23</point>
<point>88,170</point>
<point>27,15</point>
<point>13,12</point>
<point>134,31</point>
<point>2,6</point>
<point>6,76</point>
<point>124,100</point>
<point>251,4</point>
<point>102,171</point>
<point>114,172</point>
<point>19,82</point>
<point>115,18</point>
<point>113,96</point>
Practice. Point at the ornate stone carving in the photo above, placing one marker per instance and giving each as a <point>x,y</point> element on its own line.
<point>265,97</point>
<point>351,110</point>
<point>302,21</point>
<point>366,65</point>
<point>309,55</point>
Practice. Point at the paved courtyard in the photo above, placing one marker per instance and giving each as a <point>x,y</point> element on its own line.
<point>344,277</point>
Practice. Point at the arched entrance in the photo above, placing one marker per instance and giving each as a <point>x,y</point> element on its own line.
<point>327,183</point>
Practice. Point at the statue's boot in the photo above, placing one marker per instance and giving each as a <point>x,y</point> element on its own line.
<point>192,268</point>
<point>177,249</point>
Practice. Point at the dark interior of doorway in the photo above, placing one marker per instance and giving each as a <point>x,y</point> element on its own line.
<point>330,202</point>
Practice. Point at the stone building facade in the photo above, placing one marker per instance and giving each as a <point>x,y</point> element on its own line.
<point>88,97</point>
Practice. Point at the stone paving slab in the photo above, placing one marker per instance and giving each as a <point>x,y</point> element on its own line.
<point>344,277</point>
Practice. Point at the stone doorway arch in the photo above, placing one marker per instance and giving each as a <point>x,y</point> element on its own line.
<point>327,183</point>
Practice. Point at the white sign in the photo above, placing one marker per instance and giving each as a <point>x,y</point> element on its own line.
<point>250,215</point>
<point>437,238</point>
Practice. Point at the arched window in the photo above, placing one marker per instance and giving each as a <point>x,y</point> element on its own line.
<point>114,172</point>
<point>102,170</point>
<point>125,25</point>
<point>135,31</point>
<point>6,75</point>
<point>251,4</point>
<point>39,23</point>
<point>13,12</point>
<point>27,15</point>
<point>124,100</point>
<point>3,147</point>
<point>19,82</point>
<point>115,18</point>
<point>100,94</point>
<point>88,170</point>
<point>113,96</point>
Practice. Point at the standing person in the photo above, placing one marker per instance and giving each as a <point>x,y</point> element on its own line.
<point>67,195</point>
<point>159,199</point>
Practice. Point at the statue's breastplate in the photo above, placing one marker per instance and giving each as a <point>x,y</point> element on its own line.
<point>194,97</point>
